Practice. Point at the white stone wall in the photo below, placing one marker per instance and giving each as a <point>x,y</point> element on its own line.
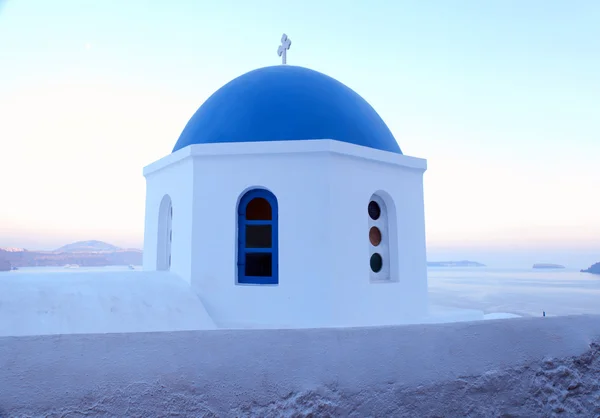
<point>175,179</point>
<point>404,298</point>
<point>323,189</point>
<point>516,367</point>
<point>97,302</point>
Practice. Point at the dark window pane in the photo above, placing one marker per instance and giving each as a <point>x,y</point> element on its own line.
<point>258,236</point>
<point>259,264</point>
<point>374,210</point>
<point>376,263</point>
<point>258,209</point>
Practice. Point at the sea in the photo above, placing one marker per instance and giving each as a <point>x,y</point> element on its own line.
<point>518,291</point>
<point>523,292</point>
<point>61,269</point>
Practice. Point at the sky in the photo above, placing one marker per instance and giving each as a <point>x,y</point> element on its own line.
<point>501,97</point>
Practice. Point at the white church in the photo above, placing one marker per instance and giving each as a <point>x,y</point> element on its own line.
<point>285,203</point>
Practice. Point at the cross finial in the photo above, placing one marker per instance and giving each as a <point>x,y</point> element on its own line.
<point>285,45</point>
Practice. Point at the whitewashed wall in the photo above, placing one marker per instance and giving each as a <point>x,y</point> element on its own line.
<point>400,183</point>
<point>98,302</point>
<point>513,367</point>
<point>174,178</point>
<point>323,189</point>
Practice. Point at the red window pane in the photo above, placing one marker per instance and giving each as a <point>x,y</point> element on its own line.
<point>259,209</point>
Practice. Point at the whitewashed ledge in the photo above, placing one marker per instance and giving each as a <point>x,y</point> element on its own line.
<point>484,368</point>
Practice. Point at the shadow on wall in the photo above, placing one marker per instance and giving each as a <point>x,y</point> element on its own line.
<point>383,237</point>
<point>165,234</point>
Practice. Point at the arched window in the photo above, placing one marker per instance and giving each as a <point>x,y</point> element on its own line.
<point>165,234</point>
<point>379,239</point>
<point>257,238</point>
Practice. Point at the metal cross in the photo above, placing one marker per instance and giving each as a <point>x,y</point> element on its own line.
<point>285,45</point>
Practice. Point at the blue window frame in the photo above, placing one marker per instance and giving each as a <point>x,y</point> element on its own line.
<point>258,238</point>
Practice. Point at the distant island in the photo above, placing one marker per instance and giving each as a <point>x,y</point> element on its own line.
<point>463,263</point>
<point>82,253</point>
<point>87,246</point>
<point>595,269</point>
<point>547,266</point>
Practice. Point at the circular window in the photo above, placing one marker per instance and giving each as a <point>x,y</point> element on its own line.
<point>375,236</point>
<point>374,210</point>
<point>376,263</point>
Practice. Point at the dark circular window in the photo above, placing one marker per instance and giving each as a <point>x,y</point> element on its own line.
<point>374,210</point>
<point>375,236</point>
<point>376,263</point>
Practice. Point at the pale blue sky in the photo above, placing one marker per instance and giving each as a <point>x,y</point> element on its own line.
<point>501,97</point>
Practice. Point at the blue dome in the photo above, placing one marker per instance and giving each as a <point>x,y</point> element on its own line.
<point>285,102</point>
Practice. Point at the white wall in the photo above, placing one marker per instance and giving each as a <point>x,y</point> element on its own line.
<point>404,298</point>
<point>302,196</point>
<point>175,178</point>
<point>96,302</point>
<point>421,369</point>
<point>323,189</point>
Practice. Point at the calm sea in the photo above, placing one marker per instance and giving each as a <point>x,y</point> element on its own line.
<point>67,270</point>
<point>525,292</point>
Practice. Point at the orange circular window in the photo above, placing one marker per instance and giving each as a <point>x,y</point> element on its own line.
<point>375,236</point>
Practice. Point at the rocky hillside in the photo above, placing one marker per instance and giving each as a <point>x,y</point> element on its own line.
<point>463,263</point>
<point>87,247</point>
<point>548,266</point>
<point>595,269</point>
<point>84,253</point>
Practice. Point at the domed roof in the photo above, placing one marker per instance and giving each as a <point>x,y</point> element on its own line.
<point>286,102</point>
